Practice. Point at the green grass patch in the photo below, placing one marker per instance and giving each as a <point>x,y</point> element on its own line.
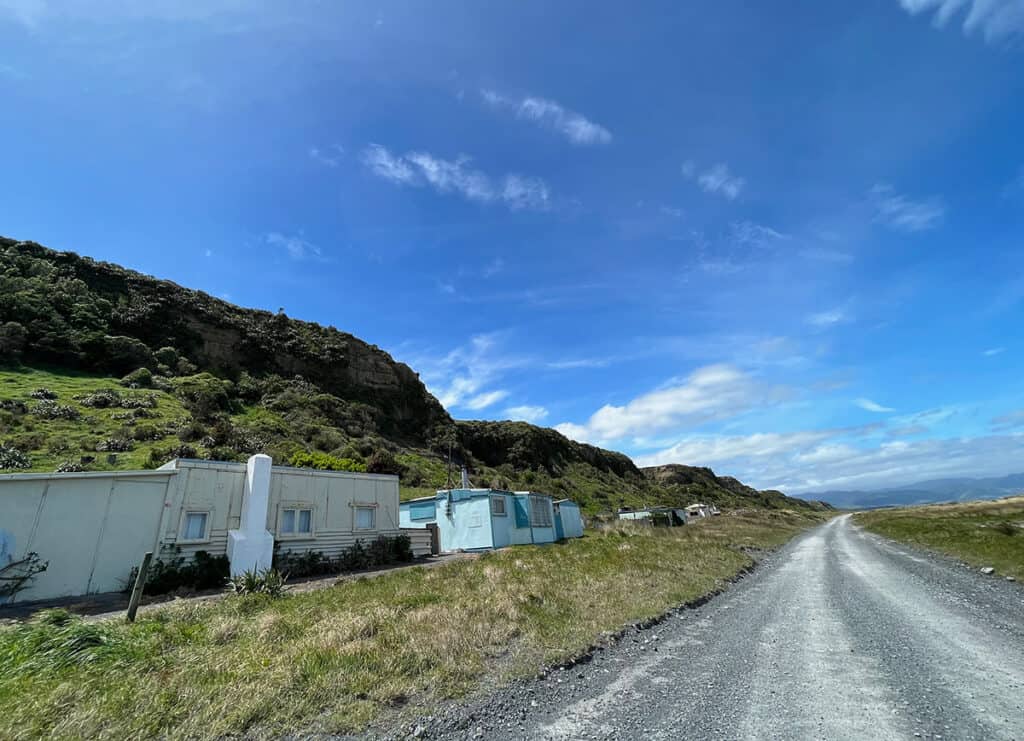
<point>983,534</point>
<point>332,660</point>
<point>50,442</point>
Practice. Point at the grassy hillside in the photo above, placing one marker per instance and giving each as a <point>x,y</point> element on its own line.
<point>981,533</point>
<point>105,368</point>
<point>331,660</point>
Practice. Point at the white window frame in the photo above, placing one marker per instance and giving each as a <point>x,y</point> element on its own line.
<point>499,499</point>
<point>298,507</point>
<point>355,517</point>
<point>183,520</point>
<point>540,505</point>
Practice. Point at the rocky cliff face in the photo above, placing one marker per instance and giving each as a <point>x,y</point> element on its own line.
<point>80,306</point>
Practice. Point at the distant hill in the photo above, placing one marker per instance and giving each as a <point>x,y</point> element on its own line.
<point>105,368</point>
<point>926,492</point>
<point>702,484</point>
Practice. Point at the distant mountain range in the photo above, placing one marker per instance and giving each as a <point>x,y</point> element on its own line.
<point>924,492</point>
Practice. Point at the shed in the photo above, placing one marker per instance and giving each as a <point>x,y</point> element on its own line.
<point>482,519</point>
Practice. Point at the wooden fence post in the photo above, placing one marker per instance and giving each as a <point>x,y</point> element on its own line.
<point>140,583</point>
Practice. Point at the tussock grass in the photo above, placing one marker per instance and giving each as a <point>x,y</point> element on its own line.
<point>989,533</point>
<point>333,659</point>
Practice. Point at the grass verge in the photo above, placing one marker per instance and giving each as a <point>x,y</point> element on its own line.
<point>334,659</point>
<point>989,533</point>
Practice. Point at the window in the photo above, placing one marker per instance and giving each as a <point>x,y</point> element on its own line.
<point>194,526</point>
<point>498,506</point>
<point>540,512</point>
<point>423,510</point>
<point>366,518</point>
<point>295,521</point>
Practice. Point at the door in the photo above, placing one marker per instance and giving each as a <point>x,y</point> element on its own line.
<point>559,529</point>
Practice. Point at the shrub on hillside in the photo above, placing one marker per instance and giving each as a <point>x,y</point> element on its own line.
<point>383,461</point>
<point>324,462</point>
<point>101,399</point>
<point>11,458</point>
<point>12,341</point>
<point>52,410</point>
<point>115,445</point>
<point>43,393</point>
<point>140,378</point>
<point>204,394</point>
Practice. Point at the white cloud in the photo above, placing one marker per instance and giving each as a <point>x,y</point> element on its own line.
<point>573,126</point>
<point>714,450</point>
<point>717,179</point>
<point>905,214</point>
<point>872,406</point>
<point>297,247</point>
<point>385,165</point>
<point>827,318</point>
<point>330,157</point>
<point>208,253</point>
<point>484,400</point>
<point>457,176</point>
<point>995,19</point>
<point>461,376</point>
<point>992,351</point>
<point>573,363</point>
<point>526,413</point>
<point>756,235</point>
<point>808,461</point>
<point>709,393</point>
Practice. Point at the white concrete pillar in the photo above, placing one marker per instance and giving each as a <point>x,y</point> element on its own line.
<point>251,547</point>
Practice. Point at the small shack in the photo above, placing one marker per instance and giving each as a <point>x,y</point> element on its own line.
<point>662,516</point>
<point>482,519</point>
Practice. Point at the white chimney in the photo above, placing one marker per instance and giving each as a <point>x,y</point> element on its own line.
<point>465,478</point>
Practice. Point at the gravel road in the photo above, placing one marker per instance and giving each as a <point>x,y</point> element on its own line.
<point>840,635</point>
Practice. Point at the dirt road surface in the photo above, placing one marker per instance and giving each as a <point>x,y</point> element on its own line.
<point>840,635</point>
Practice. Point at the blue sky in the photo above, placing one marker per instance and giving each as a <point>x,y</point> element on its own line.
<point>780,239</point>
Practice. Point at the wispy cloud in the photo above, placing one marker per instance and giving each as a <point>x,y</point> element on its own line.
<point>709,393</point>
<point>872,406</point>
<point>717,179</point>
<point>993,351</point>
<point>903,213</point>
<point>527,413</point>
<point>484,400</point>
<point>457,176</point>
<point>492,268</point>
<point>754,234</point>
<point>550,114</point>
<point>329,157</point>
<point>297,247</point>
<point>996,20</point>
<point>828,318</point>
<point>467,374</point>
<point>1010,421</point>
<point>714,449</point>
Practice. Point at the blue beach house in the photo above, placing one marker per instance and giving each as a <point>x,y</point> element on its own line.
<point>482,519</point>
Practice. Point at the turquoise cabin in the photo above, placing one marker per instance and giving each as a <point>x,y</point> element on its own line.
<point>482,519</point>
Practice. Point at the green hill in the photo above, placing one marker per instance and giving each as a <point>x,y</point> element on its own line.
<point>105,368</point>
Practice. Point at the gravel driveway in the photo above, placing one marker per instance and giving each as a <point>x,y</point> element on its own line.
<point>840,635</point>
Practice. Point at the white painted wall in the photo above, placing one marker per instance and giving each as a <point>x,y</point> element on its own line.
<point>94,527</point>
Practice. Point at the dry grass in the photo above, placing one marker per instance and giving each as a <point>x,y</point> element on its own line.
<point>333,659</point>
<point>989,533</point>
